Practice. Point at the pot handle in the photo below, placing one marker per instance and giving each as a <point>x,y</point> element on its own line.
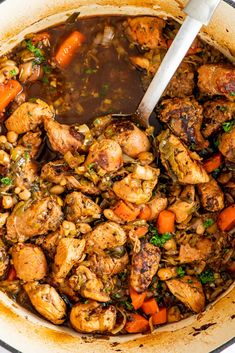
<point>201,10</point>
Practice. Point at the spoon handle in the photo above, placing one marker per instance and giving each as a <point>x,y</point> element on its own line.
<point>175,54</point>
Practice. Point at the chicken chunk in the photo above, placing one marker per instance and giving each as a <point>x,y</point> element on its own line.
<point>179,162</point>
<point>32,141</point>
<point>156,205</point>
<point>184,207</point>
<point>132,140</point>
<point>93,317</point>
<point>215,113</point>
<point>211,196</point>
<point>46,301</point>
<point>28,116</point>
<point>50,241</point>
<point>137,187</point>
<point>106,154</point>
<point>200,252</point>
<point>54,171</point>
<point>81,208</point>
<point>227,145</point>
<point>184,118</point>
<point>182,83</point>
<point>107,265</point>
<point>146,32</point>
<point>68,253</point>
<point>82,184</point>
<point>4,259</point>
<point>216,79</point>
<point>29,262</point>
<point>105,236</point>
<point>88,285</point>
<point>144,266</point>
<point>29,219</point>
<point>189,291</point>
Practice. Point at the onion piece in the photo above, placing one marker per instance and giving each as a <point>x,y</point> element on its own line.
<point>121,326</point>
<point>108,35</point>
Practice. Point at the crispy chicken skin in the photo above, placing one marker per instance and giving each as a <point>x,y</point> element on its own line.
<point>132,140</point>
<point>189,291</point>
<point>227,145</point>
<point>46,301</point>
<point>211,195</point>
<point>28,116</point>
<point>107,265</point>
<point>92,317</point>
<point>179,162</point>
<point>68,253</point>
<point>184,118</point>
<point>215,113</point>
<point>29,262</point>
<point>201,251</point>
<point>81,208</point>
<point>144,266</point>
<point>216,79</point>
<point>146,32</point>
<point>29,219</point>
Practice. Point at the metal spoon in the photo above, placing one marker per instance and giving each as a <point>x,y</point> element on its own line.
<point>199,12</point>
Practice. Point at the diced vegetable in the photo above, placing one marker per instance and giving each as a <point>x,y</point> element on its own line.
<point>226,219</point>
<point>11,276</point>
<point>68,48</point>
<point>160,317</point>
<point>207,276</point>
<point>123,211</point>
<point>166,222</point>
<point>150,306</point>
<point>137,299</point>
<point>8,92</point>
<point>136,323</point>
<point>213,163</point>
<point>141,231</point>
<point>145,213</point>
<point>160,240</point>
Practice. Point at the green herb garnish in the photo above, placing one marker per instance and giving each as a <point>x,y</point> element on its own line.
<point>232,93</point>
<point>39,57</point>
<point>208,222</point>
<point>90,166</point>
<point>158,240</point>
<point>180,271</point>
<point>26,156</point>
<point>228,125</point>
<point>6,181</point>
<point>207,276</point>
<point>13,72</point>
<point>221,108</point>
<point>45,80</point>
<point>47,69</point>
<point>90,71</point>
<point>117,295</point>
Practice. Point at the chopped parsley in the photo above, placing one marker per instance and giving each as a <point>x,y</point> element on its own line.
<point>90,71</point>
<point>117,295</point>
<point>13,72</point>
<point>208,222</point>
<point>127,305</point>
<point>158,240</point>
<point>227,126</point>
<point>26,155</point>
<point>180,271</point>
<point>45,80</point>
<point>221,108</point>
<point>207,276</point>
<point>232,93</point>
<point>47,69</point>
<point>90,166</point>
<point>39,57</point>
<point>6,181</point>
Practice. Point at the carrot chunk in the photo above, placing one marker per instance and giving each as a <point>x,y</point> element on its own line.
<point>160,317</point>
<point>125,212</point>
<point>226,219</point>
<point>68,48</point>
<point>8,91</point>
<point>150,307</point>
<point>141,231</point>
<point>145,213</point>
<point>213,162</point>
<point>136,323</point>
<point>166,222</point>
<point>137,299</point>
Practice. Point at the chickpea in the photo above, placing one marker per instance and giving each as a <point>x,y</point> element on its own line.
<point>166,273</point>
<point>170,244</point>
<point>25,195</point>
<point>12,136</point>
<point>7,201</point>
<point>57,189</point>
<point>63,182</point>
<point>3,139</point>
<point>4,158</point>
<point>69,227</point>
<point>17,190</point>
<point>3,218</point>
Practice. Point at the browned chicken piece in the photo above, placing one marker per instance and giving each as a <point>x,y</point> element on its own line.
<point>29,219</point>
<point>54,171</point>
<point>29,262</point>
<point>50,241</point>
<point>32,141</point>
<point>88,285</point>
<point>132,140</point>
<point>105,236</point>
<point>215,114</point>
<point>4,259</point>
<point>106,154</point>
<point>46,301</point>
<point>137,187</point>
<point>107,265</point>
<point>211,196</point>
<point>25,171</point>
<point>68,253</point>
<point>82,184</point>
<point>184,118</point>
<point>144,266</point>
<point>157,204</point>
<point>189,291</point>
<point>227,145</point>
<point>179,162</point>
<point>64,138</point>
<point>201,251</point>
<point>146,32</point>
<point>28,116</point>
<point>185,206</point>
<point>216,79</point>
<point>81,208</point>
<point>182,83</point>
<point>93,317</point>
